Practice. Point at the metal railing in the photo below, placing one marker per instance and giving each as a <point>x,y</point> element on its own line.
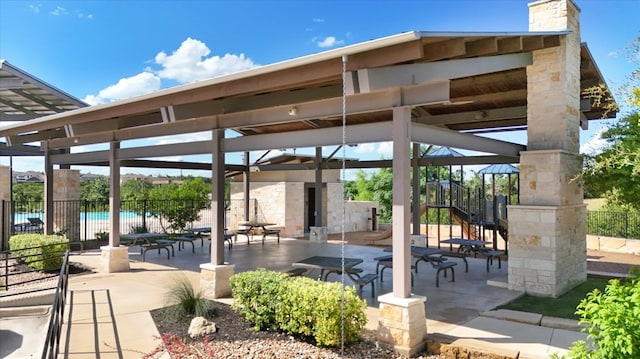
<point>14,268</point>
<point>614,224</point>
<point>52,341</point>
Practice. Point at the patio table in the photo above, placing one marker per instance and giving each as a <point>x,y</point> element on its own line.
<point>328,264</point>
<point>465,245</point>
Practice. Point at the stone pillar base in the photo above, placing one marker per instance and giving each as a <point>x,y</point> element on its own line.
<point>402,323</point>
<point>114,259</point>
<point>214,280</point>
<point>318,234</point>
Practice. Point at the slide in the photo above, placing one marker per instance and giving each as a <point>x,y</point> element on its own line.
<point>388,232</point>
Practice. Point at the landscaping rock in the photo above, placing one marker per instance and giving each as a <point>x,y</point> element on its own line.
<point>200,327</point>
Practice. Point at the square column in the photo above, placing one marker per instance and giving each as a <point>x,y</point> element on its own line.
<point>5,183</point>
<point>547,231</point>
<point>66,187</point>
<point>214,280</point>
<point>402,323</point>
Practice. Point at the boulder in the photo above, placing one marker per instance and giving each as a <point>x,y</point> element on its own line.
<point>200,327</point>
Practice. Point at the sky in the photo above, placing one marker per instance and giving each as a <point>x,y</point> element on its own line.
<point>104,51</point>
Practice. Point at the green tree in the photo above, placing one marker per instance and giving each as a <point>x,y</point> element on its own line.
<point>28,196</point>
<point>616,171</point>
<point>96,190</point>
<point>178,205</point>
<point>135,190</point>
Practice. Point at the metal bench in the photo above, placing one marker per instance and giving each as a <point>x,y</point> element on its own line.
<point>389,264</point>
<point>443,266</point>
<point>490,254</point>
<point>267,232</point>
<point>386,257</point>
<point>368,278</point>
<point>296,272</point>
<point>159,244</point>
<point>244,231</point>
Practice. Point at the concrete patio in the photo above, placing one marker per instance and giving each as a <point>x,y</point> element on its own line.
<point>122,301</point>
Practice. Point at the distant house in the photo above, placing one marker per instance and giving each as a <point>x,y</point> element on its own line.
<point>21,177</point>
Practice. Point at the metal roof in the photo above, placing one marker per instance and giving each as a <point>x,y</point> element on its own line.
<point>24,97</point>
<point>299,102</point>
<point>499,169</point>
<point>444,152</point>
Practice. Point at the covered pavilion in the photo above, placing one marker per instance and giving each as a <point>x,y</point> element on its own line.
<point>413,88</point>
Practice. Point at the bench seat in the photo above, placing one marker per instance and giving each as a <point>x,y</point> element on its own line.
<point>491,254</point>
<point>389,264</point>
<point>267,232</point>
<point>159,244</point>
<point>296,272</point>
<point>368,278</point>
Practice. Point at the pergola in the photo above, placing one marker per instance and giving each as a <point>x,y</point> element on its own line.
<point>414,88</point>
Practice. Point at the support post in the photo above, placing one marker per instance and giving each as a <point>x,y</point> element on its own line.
<point>114,257</point>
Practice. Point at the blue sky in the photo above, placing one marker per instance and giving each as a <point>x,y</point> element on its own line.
<point>101,51</point>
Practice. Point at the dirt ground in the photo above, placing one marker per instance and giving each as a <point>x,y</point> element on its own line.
<point>597,261</point>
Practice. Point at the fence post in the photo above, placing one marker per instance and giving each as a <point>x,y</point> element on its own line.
<point>626,224</point>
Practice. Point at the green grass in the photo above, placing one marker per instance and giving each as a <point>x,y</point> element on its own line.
<point>562,307</point>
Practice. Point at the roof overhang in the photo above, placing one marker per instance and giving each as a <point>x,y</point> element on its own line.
<point>480,85</point>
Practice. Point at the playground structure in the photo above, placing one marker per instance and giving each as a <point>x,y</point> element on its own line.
<point>474,210</point>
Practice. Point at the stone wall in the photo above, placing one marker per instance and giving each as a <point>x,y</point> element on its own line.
<point>613,244</point>
<point>66,187</point>
<point>5,183</point>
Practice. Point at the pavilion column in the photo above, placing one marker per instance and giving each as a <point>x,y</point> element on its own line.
<point>66,188</point>
<point>415,188</point>
<point>5,208</point>
<point>547,230</point>
<point>246,186</point>
<point>319,230</point>
<point>114,257</point>
<point>214,276</point>
<point>48,189</point>
<point>402,320</point>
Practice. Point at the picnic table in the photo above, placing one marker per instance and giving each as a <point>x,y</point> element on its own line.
<point>328,265</point>
<point>249,226</point>
<point>465,245</point>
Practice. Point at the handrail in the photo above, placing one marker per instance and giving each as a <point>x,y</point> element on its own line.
<point>52,341</point>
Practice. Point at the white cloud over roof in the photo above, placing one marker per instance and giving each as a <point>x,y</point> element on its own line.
<point>189,63</point>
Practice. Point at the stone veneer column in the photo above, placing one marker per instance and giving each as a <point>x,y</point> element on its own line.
<point>5,211</point>
<point>5,183</point>
<point>547,231</point>
<point>66,187</point>
<point>214,280</point>
<point>402,323</point>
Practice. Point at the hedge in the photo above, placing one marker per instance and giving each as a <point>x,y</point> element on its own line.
<point>299,306</point>
<point>39,251</point>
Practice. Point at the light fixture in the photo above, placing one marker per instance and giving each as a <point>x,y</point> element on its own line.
<point>293,111</point>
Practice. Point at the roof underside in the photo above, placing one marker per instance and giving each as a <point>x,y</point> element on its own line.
<point>306,94</point>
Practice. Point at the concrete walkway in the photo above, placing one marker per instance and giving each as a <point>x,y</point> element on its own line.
<point>110,312</point>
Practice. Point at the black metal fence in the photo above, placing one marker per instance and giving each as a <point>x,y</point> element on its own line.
<point>614,224</point>
<point>18,277</point>
<point>86,220</point>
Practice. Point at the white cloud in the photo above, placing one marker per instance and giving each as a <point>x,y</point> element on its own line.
<point>35,8</point>
<point>59,11</point>
<point>127,87</point>
<point>386,148</point>
<point>365,148</point>
<point>329,41</point>
<point>191,137</point>
<point>595,145</point>
<point>190,63</point>
<point>317,19</point>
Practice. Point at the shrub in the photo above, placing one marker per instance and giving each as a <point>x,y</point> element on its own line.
<point>299,306</point>
<point>185,296</point>
<point>40,252</point>
<point>257,294</point>
<point>613,319</point>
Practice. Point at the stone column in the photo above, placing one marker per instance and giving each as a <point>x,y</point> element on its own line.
<point>403,323</point>
<point>547,231</point>
<point>5,183</point>
<point>66,190</point>
<point>5,210</point>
